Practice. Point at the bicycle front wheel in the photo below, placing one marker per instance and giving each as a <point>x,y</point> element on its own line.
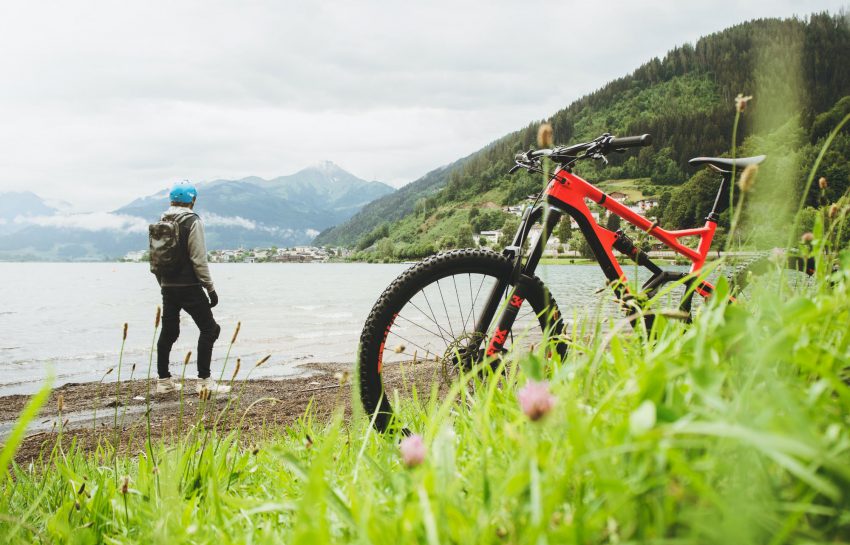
<point>421,332</point>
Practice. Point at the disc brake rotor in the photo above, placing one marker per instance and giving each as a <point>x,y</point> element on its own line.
<point>461,354</point>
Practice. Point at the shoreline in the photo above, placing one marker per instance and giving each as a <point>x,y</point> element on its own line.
<point>90,410</point>
<point>293,370</point>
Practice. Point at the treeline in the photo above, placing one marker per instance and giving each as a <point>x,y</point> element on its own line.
<point>686,102</point>
<point>778,191</point>
<point>796,69</point>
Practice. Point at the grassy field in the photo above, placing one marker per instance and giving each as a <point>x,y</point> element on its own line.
<point>627,186</point>
<point>732,429</point>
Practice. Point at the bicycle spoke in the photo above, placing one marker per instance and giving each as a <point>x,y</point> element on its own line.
<point>419,326</point>
<point>425,295</point>
<point>443,299</point>
<point>442,341</point>
<point>407,340</point>
<point>459,306</point>
<point>527,314</point>
<point>471,302</point>
<point>412,356</point>
<point>431,319</point>
<point>472,311</point>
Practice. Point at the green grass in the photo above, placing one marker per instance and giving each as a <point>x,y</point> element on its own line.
<point>627,186</point>
<point>733,429</point>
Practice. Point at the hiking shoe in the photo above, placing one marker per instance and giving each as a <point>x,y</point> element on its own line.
<point>210,386</point>
<point>167,385</point>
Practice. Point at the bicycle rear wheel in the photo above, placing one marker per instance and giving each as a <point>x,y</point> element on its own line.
<point>421,332</point>
<point>796,270</point>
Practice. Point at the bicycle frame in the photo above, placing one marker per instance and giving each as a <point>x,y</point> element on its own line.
<point>569,194</point>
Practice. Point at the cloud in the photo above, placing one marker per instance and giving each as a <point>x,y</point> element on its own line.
<point>123,223</point>
<point>95,221</point>
<point>110,100</point>
<point>214,220</point>
<point>211,219</point>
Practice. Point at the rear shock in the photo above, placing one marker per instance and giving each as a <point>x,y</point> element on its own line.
<point>625,245</point>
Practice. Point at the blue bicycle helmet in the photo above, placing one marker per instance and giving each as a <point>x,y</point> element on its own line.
<point>183,192</point>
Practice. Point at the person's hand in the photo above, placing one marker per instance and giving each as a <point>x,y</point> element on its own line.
<point>213,298</point>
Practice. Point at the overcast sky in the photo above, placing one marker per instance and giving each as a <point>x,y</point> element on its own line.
<point>101,102</point>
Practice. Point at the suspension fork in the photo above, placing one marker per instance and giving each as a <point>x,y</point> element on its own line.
<point>506,321</point>
<point>522,278</point>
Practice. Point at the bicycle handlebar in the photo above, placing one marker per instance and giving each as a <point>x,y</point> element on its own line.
<point>593,149</point>
<point>532,154</point>
<point>630,141</point>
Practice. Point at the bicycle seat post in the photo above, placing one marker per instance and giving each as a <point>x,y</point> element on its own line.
<point>725,180</point>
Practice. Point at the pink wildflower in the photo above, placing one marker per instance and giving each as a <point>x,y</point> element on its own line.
<point>412,450</point>
<point>535,400</point>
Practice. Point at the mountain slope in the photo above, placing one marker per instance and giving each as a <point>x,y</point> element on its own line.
<point>22,204</point>
<point>284,211</point>
<point>388,208</point>
<point>327,187</point>
<point>312,198</point>
<point>796,68</point>
<point>232,198</point>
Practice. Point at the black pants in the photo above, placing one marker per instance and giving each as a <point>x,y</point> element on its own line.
<point>194,301</point>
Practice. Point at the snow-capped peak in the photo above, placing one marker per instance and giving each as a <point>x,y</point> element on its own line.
<point>327,167</point>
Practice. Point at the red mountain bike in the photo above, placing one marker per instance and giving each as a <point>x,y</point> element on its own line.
<point>458,308</point>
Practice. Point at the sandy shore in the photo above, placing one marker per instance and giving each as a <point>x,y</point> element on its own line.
<point>256,407</point>
<point>89,410</point>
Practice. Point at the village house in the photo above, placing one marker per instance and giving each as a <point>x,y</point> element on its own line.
<point>643,206</point>
<point>551,245</point>
<point>492,237</point>
<point>135,257</point>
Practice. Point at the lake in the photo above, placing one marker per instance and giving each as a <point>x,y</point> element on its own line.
<point>67,318</point>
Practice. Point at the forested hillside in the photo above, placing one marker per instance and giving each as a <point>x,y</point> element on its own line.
<point>795,69</point>
<point>388,208</point>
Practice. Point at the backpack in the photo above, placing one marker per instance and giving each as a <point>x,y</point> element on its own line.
<point>166,251</point>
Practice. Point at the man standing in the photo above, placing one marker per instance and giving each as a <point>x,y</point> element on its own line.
<point>179,260</point>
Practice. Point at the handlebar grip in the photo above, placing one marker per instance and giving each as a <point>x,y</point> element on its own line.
<point>631,141</point>
<point>531,154</point>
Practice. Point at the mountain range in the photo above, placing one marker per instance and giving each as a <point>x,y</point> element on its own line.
<point>795,69</point>
<point>249,212</point>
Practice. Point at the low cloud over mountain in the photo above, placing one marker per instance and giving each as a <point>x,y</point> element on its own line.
<point>94,221</point>
<point>284,211</point>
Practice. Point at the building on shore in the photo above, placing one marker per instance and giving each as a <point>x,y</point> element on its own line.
<point>492,237</point>
<point>135,257</point>
<point>298,254</point>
